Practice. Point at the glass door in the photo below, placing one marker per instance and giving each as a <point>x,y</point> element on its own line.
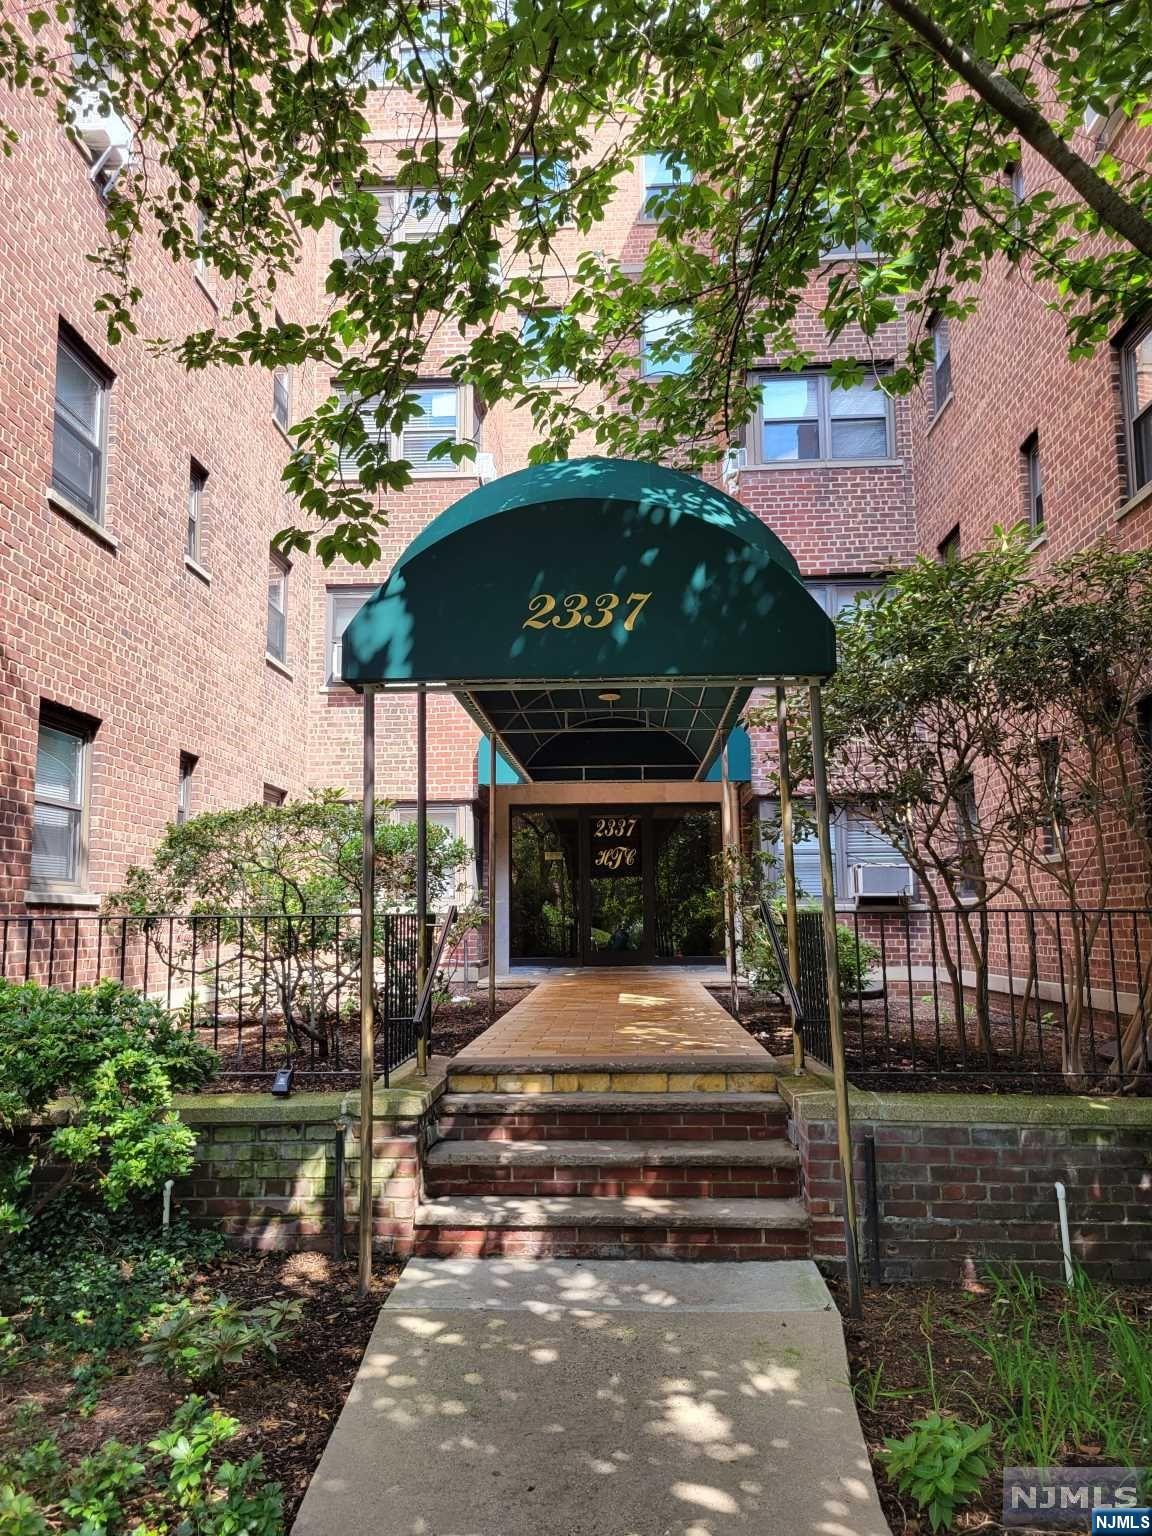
<point>689,904</point>
<point>545,884</point>
<point>618,863</point>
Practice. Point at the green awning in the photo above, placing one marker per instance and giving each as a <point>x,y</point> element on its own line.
<point>606,618</point>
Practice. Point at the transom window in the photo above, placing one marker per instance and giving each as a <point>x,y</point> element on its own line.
<point>344,603</point>
<point>663,171</point>
<point>62,758</point>
<point>800,416</point>
<point>1137,359</point>
<point>438,422</point>
<point>79,430</point>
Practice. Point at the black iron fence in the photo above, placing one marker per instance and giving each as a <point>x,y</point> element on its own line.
<point>264,990</point>
<point>1016,996</point>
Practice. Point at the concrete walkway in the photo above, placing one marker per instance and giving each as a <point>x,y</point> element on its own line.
<point>504,1397</point>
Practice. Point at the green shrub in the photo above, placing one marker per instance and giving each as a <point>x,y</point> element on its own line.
<point>199,1342</point>
<point>940,1463</point>
<point>177,1484</point>
<point>119,1057</point>
<point>856,958</point>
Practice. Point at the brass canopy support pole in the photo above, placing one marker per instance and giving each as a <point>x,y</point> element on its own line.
<point>787,835</point>
<point>421,866</point>
<point>492,878</point>
<point>367,989</point>
<point>835,1017</point>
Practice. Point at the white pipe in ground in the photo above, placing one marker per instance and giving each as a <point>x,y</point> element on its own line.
<point>168,1186</point>
<point>1065,1241</point>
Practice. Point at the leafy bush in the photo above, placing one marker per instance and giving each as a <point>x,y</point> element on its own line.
<point>177,1483</point>
<point>119,1056</point>
<point>86,1282</point>
<point>940,1463</point>
<point>199,1342</point>
<point>856,958</point>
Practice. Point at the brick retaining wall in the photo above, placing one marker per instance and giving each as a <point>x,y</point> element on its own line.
<point>265,1169</point>
<point>966,1181</point>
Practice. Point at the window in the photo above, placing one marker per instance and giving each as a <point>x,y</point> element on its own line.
<point>949,546</point>
<point>1137,370</point>
<point>1033,477</point>
<point>941,361</point>
<point>202,223</point>
<point>859,246</point>
<point>1014,176</point>
<point>63,752</point>
<point>197,479</point>
<point>855,841</point>
<point>663,172</point>
<point>437,422</point>
<point>1052,824</point>
<point>79,429</point>
<point>282,390</point>
<point>456,821</point>
<point>658,351</point>
<point>344,603</point>
<point>425,46</point>
<point>969,871</point>
<point>277,641</point>
<point>800,416</point>
<point>390,206</point>
<point>835,597</point>
<point>535,330</point>
<point>544,184</point>
<point>184,787</point>
<point>274,796</point>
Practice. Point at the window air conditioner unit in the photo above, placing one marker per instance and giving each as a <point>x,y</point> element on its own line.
<point>892,882</point>
<point>485,467</point>
<point>735,459</point>
<point>100,128</point>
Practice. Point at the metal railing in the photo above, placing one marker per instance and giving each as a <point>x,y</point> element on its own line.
<point>263,989</point>
<point>1022,997</point>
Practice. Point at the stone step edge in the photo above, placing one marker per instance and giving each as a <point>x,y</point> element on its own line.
<point>540,1212</point>
<point>546,1080</point>
<point>612,1154</point>
<point>607,1103</point>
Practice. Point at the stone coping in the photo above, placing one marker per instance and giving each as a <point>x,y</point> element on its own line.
<point>811,1097</point>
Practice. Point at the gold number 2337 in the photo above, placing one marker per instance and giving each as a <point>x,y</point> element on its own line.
<point>548,612</point>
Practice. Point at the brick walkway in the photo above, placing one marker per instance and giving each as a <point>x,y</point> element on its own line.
<point>617,1014</point>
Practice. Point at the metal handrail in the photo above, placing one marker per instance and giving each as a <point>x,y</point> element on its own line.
<point>425,997</point>
<point>782,960</point>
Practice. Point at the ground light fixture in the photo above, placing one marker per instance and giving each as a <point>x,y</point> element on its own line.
<point>282,1083</point>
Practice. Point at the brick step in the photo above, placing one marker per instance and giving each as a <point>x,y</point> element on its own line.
<point>672,1170</point>
<point>612,1227</point>
<point>611,1116</point>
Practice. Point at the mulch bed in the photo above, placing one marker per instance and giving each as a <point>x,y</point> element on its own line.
<point>892,1338</point>
<point>247,1063</point>
<point>286,1403</point>
<point>882,1054</point>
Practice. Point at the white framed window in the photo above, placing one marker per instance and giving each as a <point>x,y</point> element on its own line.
<point>458,821</point>
<point>59,821</point>
<point>197,480</point>
<point>659,353</point>
<point>856,841</point>
<point>858,248</point>
<point>438,421</point>
<point>344,603</point>
<point>80,429</point>
<point>802,417</point>
<point>1136,364</point>
<point>941,360</point>
<point>276,644</point>
<point>282,390</point>
<point>663,171</point>
<point>535,329</point>
<point>835,597</point>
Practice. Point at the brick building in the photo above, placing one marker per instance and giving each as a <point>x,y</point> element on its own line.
<point>158,661</point>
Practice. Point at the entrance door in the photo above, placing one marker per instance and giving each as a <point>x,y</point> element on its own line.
<point>619,926</point>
